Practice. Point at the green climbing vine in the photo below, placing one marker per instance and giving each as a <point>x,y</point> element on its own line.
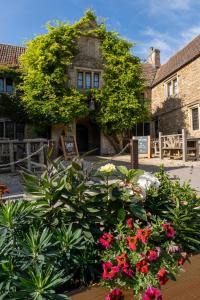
<point>47,94</point>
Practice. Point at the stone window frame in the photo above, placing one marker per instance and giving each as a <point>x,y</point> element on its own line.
<point>5,90</point>
<point>92,72</point>
<point>15,130</point>
<point>171,81</point>
<point>196,106</point>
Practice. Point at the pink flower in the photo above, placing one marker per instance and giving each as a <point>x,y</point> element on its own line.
<point>129,223</point>
<point>152,255</point>
<point>127,271</point>
<point>106,240</point>
<point>152,294</point>
<point>169,230</point>
<point>116,294</point>
<point>109,271</point>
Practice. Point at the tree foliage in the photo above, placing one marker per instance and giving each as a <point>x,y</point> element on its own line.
<point>47,93</point>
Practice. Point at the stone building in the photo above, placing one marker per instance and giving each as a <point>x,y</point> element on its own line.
<point>175,91</point>
<point>172,87</point>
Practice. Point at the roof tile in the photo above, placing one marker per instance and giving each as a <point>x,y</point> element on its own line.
<point>9,55</point>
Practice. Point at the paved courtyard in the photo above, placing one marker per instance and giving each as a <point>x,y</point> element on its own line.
<point>186,171</point>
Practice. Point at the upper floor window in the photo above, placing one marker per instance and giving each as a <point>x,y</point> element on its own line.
<point>96,80</point>
<point>88,80</point>
<point>172,88</point>
<point>80,80</point>
<point>195,118</point>
<point>88,83</point>
<point>6,85</point>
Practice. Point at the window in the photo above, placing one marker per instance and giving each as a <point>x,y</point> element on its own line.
<point>80,80</point>
<point>175,87</point>
<point>88,80</point>
<point>11,130</point>
<point>169,89</point>
<point>172,88</point>
<point>1,85</point>
<point>96,80</point>
<point>9,85</point>
<point>141,129</point>
<point>6,85</point>
<point>195,118</point>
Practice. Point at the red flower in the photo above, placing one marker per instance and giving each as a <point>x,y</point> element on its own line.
<point>116,294</point>
<point>121,260</point>
<point>152,294</point>
<point>143,234</point>
<point>109,271</point>
<point>152,255</point>
<point>142,266</point>
<point>106,240</point>
<point>129,223</point>
<point>162,276</point>
<point>127,271</point>
<point>182,259</point>
<point>169,230</point>
<point>132,241</point>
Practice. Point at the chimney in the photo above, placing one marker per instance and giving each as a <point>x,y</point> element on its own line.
<point>154,57</point>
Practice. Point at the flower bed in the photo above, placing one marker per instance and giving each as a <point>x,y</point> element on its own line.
<point>136,225</point>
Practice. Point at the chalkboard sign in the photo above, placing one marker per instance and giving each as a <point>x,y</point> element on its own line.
<point>144,145</point>
<point>69,147</point>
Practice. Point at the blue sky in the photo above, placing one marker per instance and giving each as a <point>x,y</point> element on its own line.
<point>164,24</point>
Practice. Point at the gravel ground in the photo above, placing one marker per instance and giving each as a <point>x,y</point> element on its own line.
<point>186,171</point>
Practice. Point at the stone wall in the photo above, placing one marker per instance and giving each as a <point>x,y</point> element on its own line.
<point>88,59</point>
<point>175,113</point>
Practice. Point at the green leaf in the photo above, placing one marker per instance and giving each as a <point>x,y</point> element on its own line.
<point>121,214</point>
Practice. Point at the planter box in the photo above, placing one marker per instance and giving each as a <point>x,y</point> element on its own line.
<point>96,293</point>
<point>186,287</point>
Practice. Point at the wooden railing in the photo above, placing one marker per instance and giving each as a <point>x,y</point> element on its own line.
<point>28,153</point>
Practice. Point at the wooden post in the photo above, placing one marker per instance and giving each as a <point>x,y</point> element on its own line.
<point>11,154</point>
<point>134,153</point>
<point>160,146</point>
<point>28,152</point>
<point>184,139</point>
<point>149,146</point>
<point>41,153</point>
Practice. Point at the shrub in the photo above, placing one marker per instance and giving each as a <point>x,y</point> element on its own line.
<point>180,205</point>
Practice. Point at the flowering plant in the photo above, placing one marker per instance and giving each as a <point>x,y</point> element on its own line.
<point>140,257</point>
